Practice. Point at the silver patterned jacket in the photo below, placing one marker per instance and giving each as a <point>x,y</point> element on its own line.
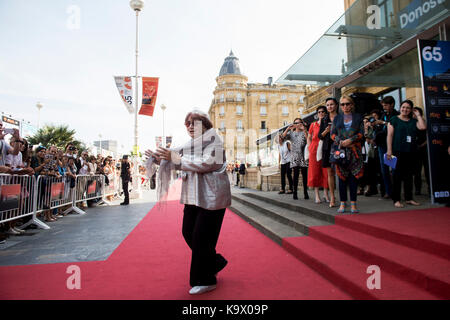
<point>205,179</point>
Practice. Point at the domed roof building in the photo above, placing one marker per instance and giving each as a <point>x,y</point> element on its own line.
<point>230,66</point>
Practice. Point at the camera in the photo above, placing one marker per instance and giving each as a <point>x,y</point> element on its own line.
<point>372,120</point>
<point>72,148</point>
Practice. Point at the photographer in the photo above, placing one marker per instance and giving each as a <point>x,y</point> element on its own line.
<point>297,134</point>
<point>125,174</point>
<point>388,104</point>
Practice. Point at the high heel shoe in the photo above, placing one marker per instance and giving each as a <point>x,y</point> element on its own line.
<point>342,207</point>
<point>353,208</point>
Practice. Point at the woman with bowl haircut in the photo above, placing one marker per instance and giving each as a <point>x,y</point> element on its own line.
<point>402,143</point>
<point>347,133</point>
<point>205,194</point>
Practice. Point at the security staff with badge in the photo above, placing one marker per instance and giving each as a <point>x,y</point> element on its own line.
<point>125,174</point>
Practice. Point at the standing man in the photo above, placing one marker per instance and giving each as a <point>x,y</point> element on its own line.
<point>125,174</point>
<point>388,104</point>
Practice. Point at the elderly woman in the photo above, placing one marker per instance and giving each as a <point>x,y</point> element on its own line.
<point>402,142</point>
<point>205,194</point>
<point>347,133</point>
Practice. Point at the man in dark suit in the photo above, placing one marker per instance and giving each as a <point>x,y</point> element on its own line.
<point>125,174</point>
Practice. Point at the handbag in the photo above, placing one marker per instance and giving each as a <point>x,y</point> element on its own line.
<point>339,156</point>
<point>319,151</point>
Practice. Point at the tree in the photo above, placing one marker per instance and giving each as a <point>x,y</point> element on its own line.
<point>58,136</point>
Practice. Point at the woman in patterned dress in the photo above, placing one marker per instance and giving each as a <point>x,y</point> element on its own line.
<point>298,135</point>
<point>347,131</point>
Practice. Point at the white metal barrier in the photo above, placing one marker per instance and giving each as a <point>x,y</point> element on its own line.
<point>16,196</point>
<point>22,196</point>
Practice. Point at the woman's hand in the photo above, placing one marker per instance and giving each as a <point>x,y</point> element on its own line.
<point>346,143</point>
<point>389,155</point>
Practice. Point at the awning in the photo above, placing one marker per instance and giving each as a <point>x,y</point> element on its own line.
<point>364,34</point>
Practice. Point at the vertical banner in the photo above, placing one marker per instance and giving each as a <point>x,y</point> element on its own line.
<point>149,93</point>
<point>158,142</point>
<point>434,57</point>
<point>125,87</point>
<point>168,141</point>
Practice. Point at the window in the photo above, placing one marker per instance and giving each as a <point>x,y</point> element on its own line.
<point>262,98</point>
<point>283,97</point>
<point>302,99</point>
<point>240,139</point>
<point>285,123</point>
<point>222,110</point>
<point>238,109</point>
<point>222,97</point>
<point>239,97</point>
<point>285,111</point>
<point>263,111</point>
<point>222,124</point>
<point>263,125</point>
<point>239,124</point>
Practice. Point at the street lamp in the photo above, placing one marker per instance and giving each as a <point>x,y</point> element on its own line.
<point>163,108</point>
<point>100,136</point>
<point>137,6</point>
<point>39,106</point>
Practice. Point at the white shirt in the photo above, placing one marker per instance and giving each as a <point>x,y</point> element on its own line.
<point>285,153</point>
<point>84,168</point>
<point>14,161</point>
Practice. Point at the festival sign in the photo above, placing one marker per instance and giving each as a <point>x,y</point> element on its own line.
<point>149,94</point>
<point>434,59</point>
<point>125,87</point>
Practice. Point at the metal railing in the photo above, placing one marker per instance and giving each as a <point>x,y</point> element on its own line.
<point>22,196</point>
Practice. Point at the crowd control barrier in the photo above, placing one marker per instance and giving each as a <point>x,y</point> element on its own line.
<point>16,196</point>
<point>22,196</point>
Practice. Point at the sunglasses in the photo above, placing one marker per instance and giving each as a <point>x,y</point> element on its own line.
<point>321,111</point>
<point>346,104</point>
<point>189,123</point>
<point>297,123</point>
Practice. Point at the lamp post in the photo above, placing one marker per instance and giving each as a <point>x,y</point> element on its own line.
<point>100,136</point>
<point>163,108</point>
<point>137,6</point>
<point>39,106</point>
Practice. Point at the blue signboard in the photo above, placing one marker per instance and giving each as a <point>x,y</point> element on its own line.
<point>435,69</point>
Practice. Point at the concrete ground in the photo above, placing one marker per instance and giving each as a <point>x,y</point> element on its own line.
<point>365,204</point>
<point>90,237</point>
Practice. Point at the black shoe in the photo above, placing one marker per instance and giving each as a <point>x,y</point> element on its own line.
<point>281,192</point>
<point>295,196</point>
<point>221,263</point>
<point>124,203</point>
<point>306,196</point>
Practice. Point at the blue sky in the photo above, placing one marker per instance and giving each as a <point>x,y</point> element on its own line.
<point>183,42</point>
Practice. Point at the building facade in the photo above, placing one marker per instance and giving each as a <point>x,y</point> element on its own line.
<point>243,112</point>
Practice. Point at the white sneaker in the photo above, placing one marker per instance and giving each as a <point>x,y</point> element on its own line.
<point>202,289</point>
<point>19,230</point>
<point>12,232</point>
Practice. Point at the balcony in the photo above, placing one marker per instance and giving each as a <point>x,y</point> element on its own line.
<point>263,101</point>
<point>239,113</point>
<point>223,130</point>
<point>239,129</point>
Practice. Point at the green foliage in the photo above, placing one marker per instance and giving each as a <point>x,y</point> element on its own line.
<point>58,136</point>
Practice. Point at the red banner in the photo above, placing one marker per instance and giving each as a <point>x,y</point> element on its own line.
<point>149,93</point>
<point>9,197</point>
<point>57,191</point>
<point>92,187</point>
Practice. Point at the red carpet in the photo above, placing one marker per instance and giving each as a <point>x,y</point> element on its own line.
<point>153,263</point>
<point>412,249</point>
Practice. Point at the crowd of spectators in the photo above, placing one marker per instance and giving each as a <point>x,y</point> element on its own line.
<point>357,148</point>
<point>17,157</point>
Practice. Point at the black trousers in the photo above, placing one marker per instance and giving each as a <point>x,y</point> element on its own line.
<point>404,170</point>
<point>286,171</point>
<point>125,191</point>
<point>201,229</point>
<point>421,162</point>
<point>304,171</point>
<point>352,183</point>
